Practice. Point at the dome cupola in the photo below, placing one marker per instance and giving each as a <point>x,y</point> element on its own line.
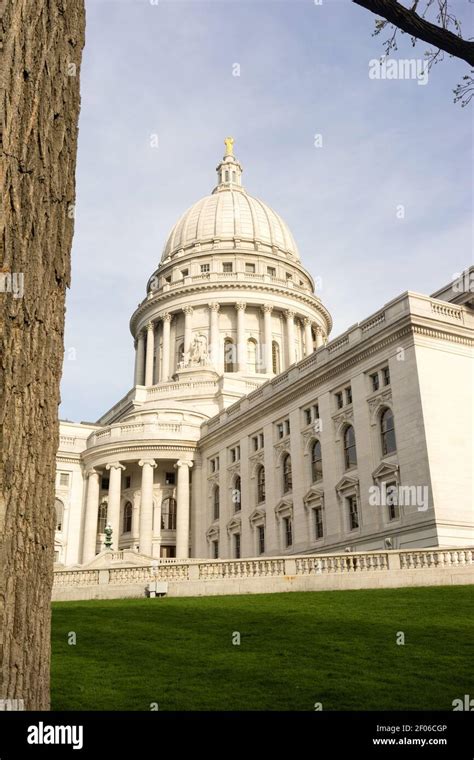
<point>230,218</point>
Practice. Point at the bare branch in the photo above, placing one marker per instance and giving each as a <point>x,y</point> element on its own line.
<point>417,26</point>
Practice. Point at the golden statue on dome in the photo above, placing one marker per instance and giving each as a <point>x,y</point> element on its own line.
<point>229,145</point>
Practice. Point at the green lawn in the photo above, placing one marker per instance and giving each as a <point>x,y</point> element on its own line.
<point>334,647</point>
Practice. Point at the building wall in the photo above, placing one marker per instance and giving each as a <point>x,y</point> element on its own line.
<point>446,381</point>
<point>425,347</point>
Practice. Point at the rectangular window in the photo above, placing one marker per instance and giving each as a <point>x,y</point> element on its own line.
<point>271,271</point>
<point>105,484</point>
<point>128,481</point>
<point>227,267</point>
<point>170,478</point>
<point>185,272</point>
<point>261,539</point>
<point>308,417</point>
<point>374,379</point>
<point>64,479</point>
<point>318,522</point>
<point>392,501</point>
<point>261,440</point>
<point>205,268</point>
<point>250,268</point>
<point>288,531</point>
<point>232,455</point>
<point>280,430</point>
<point>287,427</point>
<point>255,443</point>
<point>237,545</point>
<point>386,376</point>
<point>339,400</point>
<point>215,549</point>
<point>348,391</point>
<point>316,412</point>
<point>353,512</point>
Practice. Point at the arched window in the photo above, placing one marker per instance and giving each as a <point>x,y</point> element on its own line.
<point>350,454</point>
<point>387,431</point>
<point>127,517</point>
<point>316,462</point>
<point>168,513</point>
<point>216,502</point>
<point>251,355</point>
<point>275,357</point>
<point>260,484</point>
<point>287,474</point>
<point>180,353</point>
<point>227,176</point>
<point>229,355</point>
<point>102,517</point>
<point>59,507</point>
<point>237,494</point>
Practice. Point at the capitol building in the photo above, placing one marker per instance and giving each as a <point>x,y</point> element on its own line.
<point>250,431</point>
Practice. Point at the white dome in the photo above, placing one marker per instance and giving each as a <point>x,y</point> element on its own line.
<point>232,216</point>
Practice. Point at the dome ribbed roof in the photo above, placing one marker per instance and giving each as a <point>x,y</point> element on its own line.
<point>233,216</point>
<point>230,218</point>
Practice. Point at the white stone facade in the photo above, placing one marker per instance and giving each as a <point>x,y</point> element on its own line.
<point>246,433</point>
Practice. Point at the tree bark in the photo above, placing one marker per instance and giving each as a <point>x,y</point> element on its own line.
<point>42,50</point>
<point>409,21</point>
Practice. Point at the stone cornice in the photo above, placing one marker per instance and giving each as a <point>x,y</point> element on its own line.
<point>72,459</point>
<point>336,366</point>
<point>148,309</point>
<point>173,450</point>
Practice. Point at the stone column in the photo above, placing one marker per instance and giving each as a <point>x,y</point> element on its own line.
<point>319,337</point>
<point>308,337</point>
<point>146,506</point>
<point>135,519</point>
<point>267,337</point>
<point>165,364</point>
<point>113,509</point>
<point>290,337</point>
<point>214,347</point>
<point>182,526</point>
<point>241,343</point>
<point>92,513</point>
<point>150,352</point>
<point>140,358</point>
<point>188,315</point>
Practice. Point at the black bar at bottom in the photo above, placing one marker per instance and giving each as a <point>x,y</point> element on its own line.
<point>378,734</point>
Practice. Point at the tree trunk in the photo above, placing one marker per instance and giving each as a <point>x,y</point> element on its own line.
<point>42,50</point>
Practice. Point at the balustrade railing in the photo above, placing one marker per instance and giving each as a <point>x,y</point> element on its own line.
<point>172,569</point>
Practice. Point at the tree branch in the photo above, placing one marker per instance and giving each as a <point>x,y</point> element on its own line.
<point>409,21</point>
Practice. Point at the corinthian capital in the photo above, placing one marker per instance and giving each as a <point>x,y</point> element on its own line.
<point>214,306</point>
<point>267,307</point>
<point>166,317</point>
<point>188,310</point>
<point>240,306</point>
<point>290,314</point>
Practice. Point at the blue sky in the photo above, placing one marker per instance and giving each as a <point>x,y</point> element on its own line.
<point>167,69</point>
